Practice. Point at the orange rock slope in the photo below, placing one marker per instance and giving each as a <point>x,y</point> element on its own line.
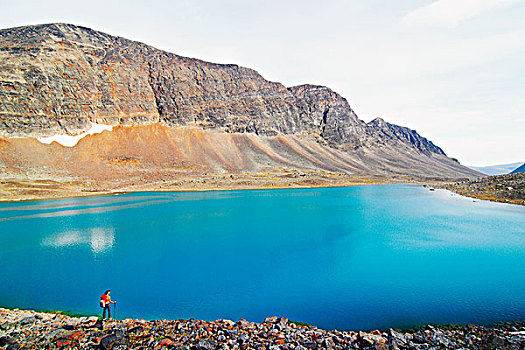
<point>161,157</point>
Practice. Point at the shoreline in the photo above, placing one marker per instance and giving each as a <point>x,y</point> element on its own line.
<point>197,190</point>
<point>160,190</point>
<point>35,330</point>
<point>27,190</point>
<point>15,190</point>
<point>509,188</point>
<point>484,197</point>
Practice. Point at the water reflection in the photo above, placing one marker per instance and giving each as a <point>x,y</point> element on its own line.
<point>94,210</point>
<point>79,202</point>
<point>99,239</point>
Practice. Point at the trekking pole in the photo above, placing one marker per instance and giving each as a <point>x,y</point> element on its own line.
<point>115,310</point>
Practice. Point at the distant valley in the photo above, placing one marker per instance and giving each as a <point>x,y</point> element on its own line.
<point>500,169</point>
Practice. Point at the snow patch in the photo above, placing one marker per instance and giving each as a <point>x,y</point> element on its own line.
<point>70,141</point>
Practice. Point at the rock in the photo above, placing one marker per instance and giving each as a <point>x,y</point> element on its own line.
<point>99,324</point>
<point>397,340</point>
<point>69,327</point>
<point>55,334</point>
<point>328,343</point>
<point>283,321</point>
<point>272,319</point>
<point>440,339</point>
<point>27,320</point>
<point>113,340</point>
<point>165,342</point>
<point>242,323</point>
<point>243,338</point>
<point>421,337</point>
<point>135,329</point>
<point>494,342</point>
<point>4,340</point>
<point>13,346</point>
<point>310,345</point>
<point>206,344</point>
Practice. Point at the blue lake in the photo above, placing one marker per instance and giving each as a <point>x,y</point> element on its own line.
<point>346,258</point>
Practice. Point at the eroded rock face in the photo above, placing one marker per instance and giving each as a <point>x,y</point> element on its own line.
<point>56,78</point>
<point>390,132</point>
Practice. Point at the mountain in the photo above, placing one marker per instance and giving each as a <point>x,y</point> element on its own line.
<point>171,112</point>
<point>520,169</point>
<point>499,169</point>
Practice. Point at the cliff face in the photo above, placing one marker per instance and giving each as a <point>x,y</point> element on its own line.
<point>391,133</point>
<point>56,78</point>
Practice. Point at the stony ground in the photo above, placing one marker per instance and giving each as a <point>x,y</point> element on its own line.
<point>23,188</point>
<point>508,188</point>
<point>22,329</point>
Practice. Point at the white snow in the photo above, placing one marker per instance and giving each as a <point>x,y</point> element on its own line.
<point>70,141</point>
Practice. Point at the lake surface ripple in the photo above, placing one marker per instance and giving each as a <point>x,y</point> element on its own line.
<point>347,258</point>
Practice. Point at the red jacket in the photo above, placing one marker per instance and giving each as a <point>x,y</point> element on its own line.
<point>104,300</point>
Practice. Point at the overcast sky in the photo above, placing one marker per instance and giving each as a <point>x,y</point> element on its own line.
<point>454,70</point>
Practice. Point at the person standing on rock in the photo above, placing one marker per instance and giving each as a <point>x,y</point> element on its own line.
<point>105,303</point>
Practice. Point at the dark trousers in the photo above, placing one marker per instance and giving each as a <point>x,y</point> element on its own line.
<point>107,307</point>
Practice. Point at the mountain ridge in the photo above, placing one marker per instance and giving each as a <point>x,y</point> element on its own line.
<point>520,169</point>
<point>496,169</point>
<point>57,78</point>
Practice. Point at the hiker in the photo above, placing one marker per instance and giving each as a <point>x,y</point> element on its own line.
<point>105,303</point>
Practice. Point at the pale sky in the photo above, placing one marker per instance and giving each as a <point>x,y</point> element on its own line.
<point>454,70</point>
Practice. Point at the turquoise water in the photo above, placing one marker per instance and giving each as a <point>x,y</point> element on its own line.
<point>346,258</point>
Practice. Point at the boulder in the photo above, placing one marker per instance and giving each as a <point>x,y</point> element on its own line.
<point>55,334</point>
<point>99,324</point>
<point>27,320</point>
<point>243,338</point>
<point>283,321</point>
<point>272,319</point>
<point>397,340</point>
<point>113,340</point>
<point>206,344</point>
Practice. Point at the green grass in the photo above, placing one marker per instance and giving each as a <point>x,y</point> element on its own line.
<point>303,324</point>
<point>67,313</point>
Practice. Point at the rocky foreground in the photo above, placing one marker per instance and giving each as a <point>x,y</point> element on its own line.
<point>22,329</point>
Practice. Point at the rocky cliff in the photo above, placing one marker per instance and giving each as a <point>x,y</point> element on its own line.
<point>57,78</point>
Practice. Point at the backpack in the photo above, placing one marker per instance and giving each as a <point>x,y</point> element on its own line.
<point>103,301</point>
